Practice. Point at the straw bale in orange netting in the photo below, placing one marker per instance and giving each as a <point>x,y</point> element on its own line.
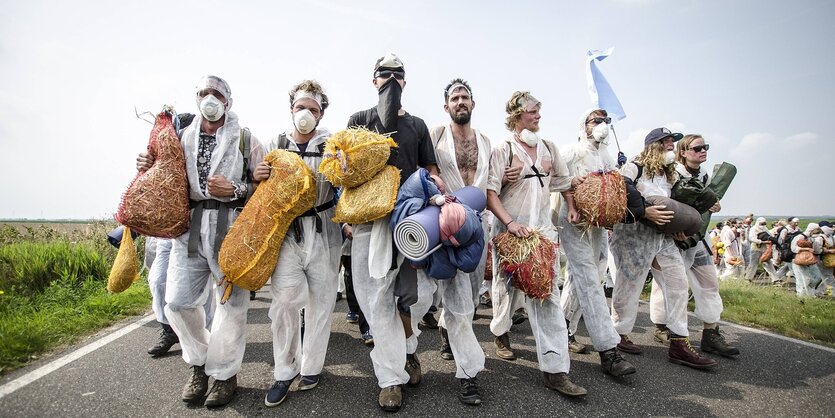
<point>528,261</point>
<point>601,199</point>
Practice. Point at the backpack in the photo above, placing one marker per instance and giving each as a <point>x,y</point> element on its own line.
<point>284,143</point>
<point>536,174</point>
<point>785,247</point>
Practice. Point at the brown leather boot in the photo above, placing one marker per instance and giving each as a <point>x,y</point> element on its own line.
<point>627,346</point>
<point>390,398</point>
<point>503,350</point>
<point>562,384</point>
<point>222,392</point>
<point>614,364</point>
<point>197,385</point>
<point>681,352</point>
<point>413,369</point>
<point>714,342</point>
<point>662,334</point>
<point>575,346</point>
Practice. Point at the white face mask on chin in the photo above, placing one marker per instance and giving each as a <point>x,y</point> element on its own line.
<point>669,157</point>
<point>529,138</point>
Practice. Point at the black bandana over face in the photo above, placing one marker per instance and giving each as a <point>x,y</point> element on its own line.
<point>389,104</point>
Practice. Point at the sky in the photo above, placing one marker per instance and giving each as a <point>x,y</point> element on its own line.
<point>755,78</point>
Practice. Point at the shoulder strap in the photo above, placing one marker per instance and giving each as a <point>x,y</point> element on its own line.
<point>244,147</point>
<point>284,143</point>
<point>510,153</point>
<point>640,170</point>
<point>436,134</point>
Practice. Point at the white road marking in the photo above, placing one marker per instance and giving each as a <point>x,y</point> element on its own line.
<point>56,364</point>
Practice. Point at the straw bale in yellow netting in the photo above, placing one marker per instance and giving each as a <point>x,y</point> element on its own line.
<point>249,252</point>
<point>354,155</point>
<point>601,199</point>
<point>371,200</point>
<point>125,268</point>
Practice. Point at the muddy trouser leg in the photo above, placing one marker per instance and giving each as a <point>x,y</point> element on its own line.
<point>705,285</point>
<point>458,317</point>
<point>377,301</point>
<point>550,333</point>
<point>570,304</point>
<point>425,291</point>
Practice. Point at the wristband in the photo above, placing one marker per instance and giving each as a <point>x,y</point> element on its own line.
<point>508,223</point>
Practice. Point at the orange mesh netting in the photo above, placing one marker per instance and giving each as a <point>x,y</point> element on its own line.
<point>529,261</point>
<point>601,199</point>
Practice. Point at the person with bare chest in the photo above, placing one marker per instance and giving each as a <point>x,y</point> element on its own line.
<point>463,157</point>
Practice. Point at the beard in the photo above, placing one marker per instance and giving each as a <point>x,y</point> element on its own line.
<point>461,118</point>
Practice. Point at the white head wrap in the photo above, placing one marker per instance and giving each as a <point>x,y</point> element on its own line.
<point>303,94</point>
<point>457,86</point>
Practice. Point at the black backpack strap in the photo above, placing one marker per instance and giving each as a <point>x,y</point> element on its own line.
<point>640,171</point>
<point>509,154</point>
<point>244,147</point>
<point>284,143</point>
<point>181,122</point>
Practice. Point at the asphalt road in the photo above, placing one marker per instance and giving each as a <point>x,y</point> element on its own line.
<point>774,376</point>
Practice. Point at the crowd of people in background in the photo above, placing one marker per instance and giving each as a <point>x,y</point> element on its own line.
<point>529,184</point>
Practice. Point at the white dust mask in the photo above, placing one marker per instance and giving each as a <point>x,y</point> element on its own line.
<point>528,137</point>
<point>669,157</point>
<point>304,121</point>
<point>600,133</point>
<point>211,108</point>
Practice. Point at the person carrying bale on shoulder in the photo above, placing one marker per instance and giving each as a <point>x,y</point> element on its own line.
<point>220,160</point>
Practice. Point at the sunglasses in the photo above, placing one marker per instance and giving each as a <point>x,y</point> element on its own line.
<point>700,148</point>
<point>398,75</point>
<point>600,120</point>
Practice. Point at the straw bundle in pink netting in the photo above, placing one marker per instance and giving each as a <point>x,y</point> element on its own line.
<point>529,261</point>
<point>156,202</point>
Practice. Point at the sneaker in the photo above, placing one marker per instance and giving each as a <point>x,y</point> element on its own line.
<point>503,350</point>
<point>662,334</point>
<point>278,392</point>
<point>167,339</point>
<point>614,364</point>
<point>309,382</point>
<point>575,346</point>
<point>714,342</point>
<point>681,352</point>
<point>367,339</point>
<point>468,394</point>
<point>429,321</point>
<point>627,346</point>
<point>413,368</point>
<point>352,317</point>
<point>446,350</point>
<point>221,392</point>
<point>562,384</point>
<point>519,316</point>
<point>197,385</point>
<point>390,398</point>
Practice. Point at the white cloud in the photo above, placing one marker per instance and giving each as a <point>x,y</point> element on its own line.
<point>800,141</point>
<point>752,142</point>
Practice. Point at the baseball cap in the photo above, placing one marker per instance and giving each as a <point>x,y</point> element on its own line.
<point>390,61</point>
<point>658,134</point>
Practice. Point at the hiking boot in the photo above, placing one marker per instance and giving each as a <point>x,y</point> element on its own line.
<point>390,398</point>
<point>413,368</point>
<point>367,339</point>
<point>278,392</point>
<point>222,392</point>
<point>503,350</point>
<point>167,339</point>
<point>429,321</point>
<point>661,334</point>
<point>714,342</point>
<point>520,316</point>
<point>468,394</point>
<point>627,346</point>
<point>562,384</point>
<point>352,317</point>
<point>485,300</point>
<point>309,382</point>
<point>681,352</point>
<point>446,350</point>
<point>614,364</point>
<point>575,346</point>
<point>196,386</point>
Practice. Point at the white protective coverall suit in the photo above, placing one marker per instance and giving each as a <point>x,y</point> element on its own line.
<point>306,276</point>
<point>758,247</point>
<point>460,294</point>
<point>527,202</point>
<point>634,246</point>
<point>220,349</point>
<point>585,249</point>
<point>808,278</point>
<point>702,276</point>
<point>157,254</point>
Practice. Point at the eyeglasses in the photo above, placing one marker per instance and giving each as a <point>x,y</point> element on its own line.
<point>700,148</point>
<point>598,121</point>
<point>398,75</point>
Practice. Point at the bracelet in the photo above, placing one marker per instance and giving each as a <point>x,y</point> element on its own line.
<point>508,222</point>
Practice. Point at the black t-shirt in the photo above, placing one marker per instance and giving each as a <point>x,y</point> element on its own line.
<point>412,137</point>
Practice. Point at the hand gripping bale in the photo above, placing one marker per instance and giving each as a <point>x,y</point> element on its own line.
<point>528,262</point>
<point>249,252</point>
<point>354,155</point>
<point>125,268</point>
<point>156,202</point>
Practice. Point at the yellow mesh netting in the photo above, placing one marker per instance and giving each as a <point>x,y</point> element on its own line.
<point>353,156</point>
<point>249,252</point>
<point>125,268</point>
<point>370,201</point>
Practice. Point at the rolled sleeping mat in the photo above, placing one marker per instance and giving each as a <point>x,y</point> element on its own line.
<point>420,234</point>
<point>114,237</point>
<point>685,218</point>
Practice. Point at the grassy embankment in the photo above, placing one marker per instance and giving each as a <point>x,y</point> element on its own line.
<point>53,289</point>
